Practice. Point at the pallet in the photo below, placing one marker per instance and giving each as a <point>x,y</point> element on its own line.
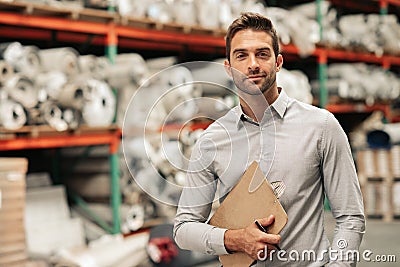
<point>378,173</point>
<point>102,16</point>
<point>37,9</point>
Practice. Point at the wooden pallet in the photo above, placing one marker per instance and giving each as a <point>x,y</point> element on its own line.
<point>102,16</point>
<point>37,9</point>
<point>377,173</point>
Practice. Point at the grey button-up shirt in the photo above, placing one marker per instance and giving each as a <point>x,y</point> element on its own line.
<point>296,143</point>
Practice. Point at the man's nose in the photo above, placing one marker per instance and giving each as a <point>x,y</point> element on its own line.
<point>253,63</point>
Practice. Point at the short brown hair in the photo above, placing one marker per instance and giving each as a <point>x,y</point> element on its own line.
<point>253,21</point>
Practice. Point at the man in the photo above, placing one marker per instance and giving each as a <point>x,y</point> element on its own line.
<point>299,145</point>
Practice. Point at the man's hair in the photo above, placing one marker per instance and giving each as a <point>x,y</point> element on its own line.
<point>253,21</point>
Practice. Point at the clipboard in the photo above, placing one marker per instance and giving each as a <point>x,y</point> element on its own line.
<point>243,206</point>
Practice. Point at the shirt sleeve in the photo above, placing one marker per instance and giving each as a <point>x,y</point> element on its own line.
<point>343,192</point>
<point>190,228</point>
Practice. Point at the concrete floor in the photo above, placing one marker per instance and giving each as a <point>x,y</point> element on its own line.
<point>381,238</point>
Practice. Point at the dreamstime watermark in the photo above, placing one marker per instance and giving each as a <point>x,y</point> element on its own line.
<point>332,255</point>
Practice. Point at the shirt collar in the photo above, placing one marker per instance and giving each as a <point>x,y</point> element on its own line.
<point>280,106</point>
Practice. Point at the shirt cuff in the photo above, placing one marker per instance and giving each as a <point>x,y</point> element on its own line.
<point>217,241</point>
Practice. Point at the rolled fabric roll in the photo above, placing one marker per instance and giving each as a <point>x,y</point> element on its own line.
<point>177,89</point>
<point>71,117</point>
<point>21,89</point>
<point>185,12</point>
<point>100,104</point>
<point>103,64</point>
<point>6,71</point>
<point>208,13</point>
<point>73,94</point>
<point>160,11</point>
<point>64,59</point>
<point>134,219</point>
<point>52,82</point>
<point>296,84</point>
<point>30,63</point>
<point>53,116</point>
<point>134,8</point>
<point>211,77</point>
<point>87,63</point>
<point>11,52</point>
<point>393,130</point>
<point>128,69</point>
<point>12,114</point>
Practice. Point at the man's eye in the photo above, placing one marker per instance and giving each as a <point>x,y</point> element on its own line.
<point>263,54</point>
<point>240,56</point>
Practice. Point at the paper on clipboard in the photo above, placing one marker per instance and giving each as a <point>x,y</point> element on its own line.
<point>242,206</point>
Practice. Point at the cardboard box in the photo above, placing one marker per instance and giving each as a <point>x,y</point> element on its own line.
<point>12,206</point>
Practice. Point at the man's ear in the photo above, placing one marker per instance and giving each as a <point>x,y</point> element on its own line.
<point>279,62</point>
<point>228,68</point>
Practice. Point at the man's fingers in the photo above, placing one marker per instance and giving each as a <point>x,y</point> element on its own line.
<point>270,239</point>
<point>267,220</point>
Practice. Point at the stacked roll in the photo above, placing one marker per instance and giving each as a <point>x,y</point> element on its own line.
<point>57,87</point>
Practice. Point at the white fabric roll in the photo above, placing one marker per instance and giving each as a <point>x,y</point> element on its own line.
<point>134,8</point>
<point>295,84</point>
<point>63,59</point>
<point>185,12</point>
<point>87,63</point>
<point>21,89</point>
<point>6,71</point>
<point>393,130</point>
<point>11,52</point>
<point>177,94</point>
<point>24,59</point>
<point>128,69</point>
<point>30,63</point>
<point>73,94</point>
<point>100,104</point>
<point>53,116</point>
<point>208,13</point>
<point>145,111</point>
<point>134,219</point>
<point>12,115</point>
<point>211,77</point>
<point>159,10</point>
<point>71,117</point>
<point>52,82</point>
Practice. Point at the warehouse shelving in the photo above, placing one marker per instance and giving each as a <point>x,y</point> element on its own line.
<point>36,137</point>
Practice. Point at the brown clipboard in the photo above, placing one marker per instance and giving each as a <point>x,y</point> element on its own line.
<point>243,206</point>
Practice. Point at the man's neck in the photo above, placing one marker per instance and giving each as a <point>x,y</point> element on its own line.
<point>254,106</point>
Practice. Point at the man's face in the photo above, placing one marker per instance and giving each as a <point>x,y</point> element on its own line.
<point>252,64</point>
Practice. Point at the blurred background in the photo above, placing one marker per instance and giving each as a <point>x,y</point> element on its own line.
<point>68,154</point>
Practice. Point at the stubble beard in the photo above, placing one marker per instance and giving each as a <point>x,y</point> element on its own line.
<point>248,87</point>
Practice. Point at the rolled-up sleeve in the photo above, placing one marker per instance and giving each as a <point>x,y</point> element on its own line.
<point>343,192</point>
<point>190,228</point>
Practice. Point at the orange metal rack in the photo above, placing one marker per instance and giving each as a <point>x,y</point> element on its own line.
<point>110,136</point>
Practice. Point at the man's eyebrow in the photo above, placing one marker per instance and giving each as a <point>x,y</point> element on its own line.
<point>263,48</point>
<point>238,50</point>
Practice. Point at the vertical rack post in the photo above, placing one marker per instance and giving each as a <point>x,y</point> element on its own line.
<point>319,19</point>
<point>322,63</point>
<point>111,52</point>
<point>383,7</point>
<point>115,187</point>
<point>322,76</point>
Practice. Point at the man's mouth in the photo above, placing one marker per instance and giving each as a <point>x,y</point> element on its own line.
<point>255,77</point>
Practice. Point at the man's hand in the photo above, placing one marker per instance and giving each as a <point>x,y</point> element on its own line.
<point>251,240</point>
